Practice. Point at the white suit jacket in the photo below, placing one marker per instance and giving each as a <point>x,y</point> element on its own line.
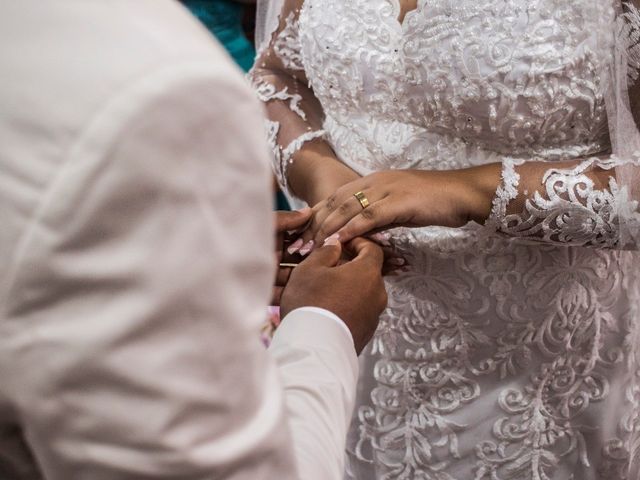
<point>136,262</point>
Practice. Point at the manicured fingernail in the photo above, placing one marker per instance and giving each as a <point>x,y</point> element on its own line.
<point>332,240</point>
<point>382,239</point>
<point>295,246</point>
<point>397,261</point>
<point>307,248</point>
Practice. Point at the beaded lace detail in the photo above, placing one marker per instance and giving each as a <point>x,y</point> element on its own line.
<point>287,44</point>
<point>507,352</point>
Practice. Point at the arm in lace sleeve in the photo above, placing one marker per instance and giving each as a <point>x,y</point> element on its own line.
<point>294,114</point>
<point>592,201</point>
<point>576,203</point>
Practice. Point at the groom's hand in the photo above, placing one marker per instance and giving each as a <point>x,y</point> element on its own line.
<point>353,290</point>
<point>286,222</point>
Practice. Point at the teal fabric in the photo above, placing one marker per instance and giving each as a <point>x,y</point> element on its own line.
<point>223,18</point>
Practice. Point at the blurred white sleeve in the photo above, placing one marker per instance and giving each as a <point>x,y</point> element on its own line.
<point>319,369</point>
<point>130,340</point>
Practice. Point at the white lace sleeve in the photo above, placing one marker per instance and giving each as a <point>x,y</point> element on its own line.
<point>578,204</point>
<point>294,114</point>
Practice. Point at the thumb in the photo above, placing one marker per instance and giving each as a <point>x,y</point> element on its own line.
<point>292,220</point>
<point>367,251</point>
<point>326,256</point>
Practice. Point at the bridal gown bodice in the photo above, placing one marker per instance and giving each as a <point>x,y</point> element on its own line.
<point>497,358</point>
<point>514,77</point>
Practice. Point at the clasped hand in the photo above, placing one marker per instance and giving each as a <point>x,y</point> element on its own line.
<point>408,198</point>
<point>345,281</point>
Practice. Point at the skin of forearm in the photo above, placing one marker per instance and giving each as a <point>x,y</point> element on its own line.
<point>316,173</point>
<point>476,188</point>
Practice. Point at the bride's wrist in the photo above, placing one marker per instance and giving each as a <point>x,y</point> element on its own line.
<point>478,187</point>
<point>315,178</point>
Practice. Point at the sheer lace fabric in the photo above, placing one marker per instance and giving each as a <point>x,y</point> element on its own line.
<point>580,204</point>
<point>278,77</point>
<point>508,351</point>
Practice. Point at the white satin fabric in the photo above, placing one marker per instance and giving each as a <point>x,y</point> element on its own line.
<point>136,262</point>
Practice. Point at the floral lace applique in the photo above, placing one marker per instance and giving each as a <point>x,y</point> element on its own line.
<point>570,211</point>
<point>278,84</point>
<point>287,44</point>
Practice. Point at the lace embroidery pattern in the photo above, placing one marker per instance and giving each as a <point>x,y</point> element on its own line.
<point>507,190</point>
<point>287,44</point>
<point>450,69</point>
<point>513,312</point>
<point>570,212</point>
<point>495,360</point>
<point>286,47</point>
<point>267,92</point>
<point>272,129</point>
<point>293,147</point>
<point>629,33</point>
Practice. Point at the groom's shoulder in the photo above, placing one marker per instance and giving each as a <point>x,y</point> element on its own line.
<point>76,73</point>
<point>133,39</point>
<point>65,62</point>
<point>77,54</point>
<point>157,33</point>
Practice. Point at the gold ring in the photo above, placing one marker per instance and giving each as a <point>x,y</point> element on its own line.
<point>288,265</point>
<point>364,201</point>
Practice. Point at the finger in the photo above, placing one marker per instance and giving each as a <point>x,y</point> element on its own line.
<point>326,256</point>
<point>367,251</point>
<point>394,271</point>
<point>279,246</point>
<point>286,221</point>
<point>393,266</point>
<point>276,295</point>
<point>393,263</point>
<point>289,258</point>
<point>305,244</point>
<point>325,208</point>
<point>381,238</point>
<point>282,276</point>
<point>341,215</point>
<point>378,215</point>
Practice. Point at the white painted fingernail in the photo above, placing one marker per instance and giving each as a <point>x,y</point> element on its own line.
<point>294,247</point>
<point>307,248</point>
<point>382,239</point>
<point>332,240</point>
<point>397,261</point>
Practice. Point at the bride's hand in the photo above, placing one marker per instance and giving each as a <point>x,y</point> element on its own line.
<point>409,198</point>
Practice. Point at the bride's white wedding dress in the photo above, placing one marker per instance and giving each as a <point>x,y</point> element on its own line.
<point>509,350</point>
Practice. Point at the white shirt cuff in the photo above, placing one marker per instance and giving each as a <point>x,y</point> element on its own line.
<point>327,314</point>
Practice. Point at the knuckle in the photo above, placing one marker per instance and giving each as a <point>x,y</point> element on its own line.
<point>343,209</point>
<point>321,233</point>
<point>331,203</point>
<point>369,213</point>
